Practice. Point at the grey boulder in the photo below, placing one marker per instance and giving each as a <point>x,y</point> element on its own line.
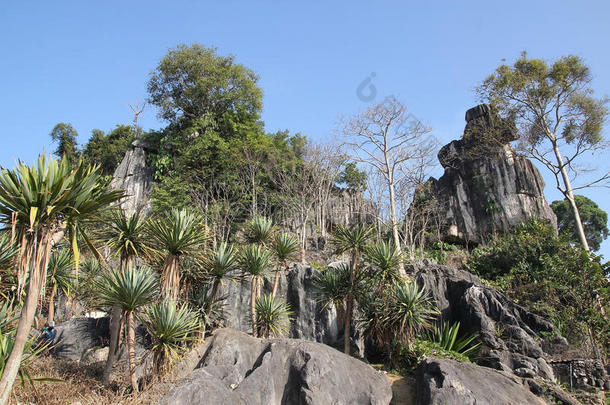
<point>237,368</point>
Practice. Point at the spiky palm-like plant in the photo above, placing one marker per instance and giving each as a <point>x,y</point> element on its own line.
<point>179,234</point>
<point>254,261</point>
<point>332,285</point>
<point>37,204</point>
<point>219,264</point>
<point>259,230</point>
<point>170,327</point>
<point>8,252</point>
<point>409,309</point>
<point>131,290</point>
<point>285,247</point>
<point>59,277</point>
<point>125,235</point>
<point>353,240</point>
<point>273,316</point>
<point>384,258</point>
<point>446,335</point>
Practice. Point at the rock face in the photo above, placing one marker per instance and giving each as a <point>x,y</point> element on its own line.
<point>239,369</point>
<point>442,382</point>
<point>487,187</point>
<point>509,333</point>
<point>79,335</point>
<point>311,320</point>
<point>135,178</point>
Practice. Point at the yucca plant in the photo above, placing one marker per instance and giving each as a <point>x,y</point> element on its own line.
<point>219,264</point>
<point>181,233</point>
<point>446,335</point>
<point>59,277</point>
<point>285,247</point>
<point>254,261</point>
<point>37,204</point>
<point>131,290</point>
<point>259,230</point>
<point>408,310</point>
<point>209,310</point>
<point>170,327</point>
<point>125,235</point>
<point>273,316</point>
<point>332,285</point>
<point>384,259</point>
<point>353,240</point>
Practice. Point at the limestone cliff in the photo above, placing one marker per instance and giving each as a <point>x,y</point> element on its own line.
<point>487,187</point>
<point>135,178</point>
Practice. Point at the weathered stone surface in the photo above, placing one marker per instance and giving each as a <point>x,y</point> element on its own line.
<point>135,178</point>
<point>311,320</point>
<point>441,382</point>
<point>487,187</point>
<point>279,371</point>
<point>509,332</point>
<point>582,373</point>
<point>78,335</point>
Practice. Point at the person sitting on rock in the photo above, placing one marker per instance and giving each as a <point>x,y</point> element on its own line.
<point>47,337</point>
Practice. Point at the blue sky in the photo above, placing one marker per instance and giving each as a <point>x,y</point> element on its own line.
<point>83,61</point>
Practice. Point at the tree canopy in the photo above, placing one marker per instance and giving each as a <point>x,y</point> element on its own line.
<point>65,136</point>
<point>594,220</point>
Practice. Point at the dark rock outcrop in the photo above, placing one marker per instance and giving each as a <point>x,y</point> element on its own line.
<point>311,320</point>
<point>135,178</point>
<point>78,335</point>
<point>237,368</point>
<point>487,187</point>
<point>510,334</point>
<point>441,382</point>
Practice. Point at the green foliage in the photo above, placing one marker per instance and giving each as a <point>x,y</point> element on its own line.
<point>273,316</point>
<point>191,81</point>
<point>255,260</point>
<point>594,220</point>
<point>59,272</point>
<point>220,262</point>
<point>125,235</point>
<point>351,239</point>
<point>533,90</point>
<point>333,284</point>
<point>131,289</point>
<point>352,178</point>
<point>259,230</point>
<point>384,260</point>
<point>409,356</point>
<point>446,336</point>
<point>180,233</point>
<point>170,327</point>
<point>285,246</point>
<point>65,136</point>
<point>550,277</point>
<point>107,150</point>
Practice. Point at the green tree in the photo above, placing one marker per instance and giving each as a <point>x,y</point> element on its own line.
<point>59,277</point>
<point>285,247</point>
<point>131,290</point>
<point>352,178</point>
<point>219,264</point>
<point>192,81</point>
<point>65,136</point>
<point>36,203</point>
<point>108,150</point>
<point>594,220</point>
<point>560,119</point>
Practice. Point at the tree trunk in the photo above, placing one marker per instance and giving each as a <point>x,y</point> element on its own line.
<point>115,330</point>
<point>253,305</point>
<point>38,265</point>
<point>347,334</point>
<point>394,218</point>
<point>569,194</point>
<point>131,345</point>
<point>276,280</point>
<point>51,316</point>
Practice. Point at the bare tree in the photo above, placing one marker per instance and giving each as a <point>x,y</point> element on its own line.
<point>387,138</point>
<point>137,109</point>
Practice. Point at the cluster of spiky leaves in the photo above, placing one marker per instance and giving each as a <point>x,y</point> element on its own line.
<point>273,316</point>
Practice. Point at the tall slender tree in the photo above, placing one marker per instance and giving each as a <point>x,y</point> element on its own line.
<point>560,120</point>
<point>254,261</point>
<point>35,204</point>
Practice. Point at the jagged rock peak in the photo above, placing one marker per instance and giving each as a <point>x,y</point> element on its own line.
<point>487,186</point>
<point>135,178</point>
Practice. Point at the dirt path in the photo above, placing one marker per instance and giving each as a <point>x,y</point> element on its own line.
<point>403,389</point>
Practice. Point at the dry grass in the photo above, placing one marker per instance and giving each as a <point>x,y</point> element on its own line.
<point>80,383</point>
